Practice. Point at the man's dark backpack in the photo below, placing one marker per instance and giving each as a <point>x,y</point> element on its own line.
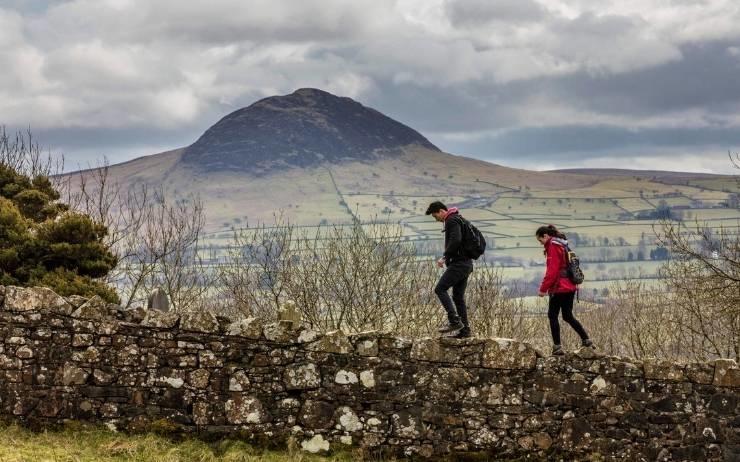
<point>473,242</point>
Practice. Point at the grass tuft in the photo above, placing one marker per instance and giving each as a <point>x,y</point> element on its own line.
<point>84,443</point>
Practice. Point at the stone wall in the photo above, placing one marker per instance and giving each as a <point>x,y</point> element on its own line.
<point>136,370</point>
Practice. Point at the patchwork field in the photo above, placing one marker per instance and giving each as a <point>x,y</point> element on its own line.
<point>612,221</point>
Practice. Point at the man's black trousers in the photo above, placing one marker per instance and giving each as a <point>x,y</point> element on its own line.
<point>456,276</point>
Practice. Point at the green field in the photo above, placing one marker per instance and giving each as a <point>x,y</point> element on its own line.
<point>612,221</point>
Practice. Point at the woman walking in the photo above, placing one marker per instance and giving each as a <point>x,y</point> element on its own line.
<point>558,285</point>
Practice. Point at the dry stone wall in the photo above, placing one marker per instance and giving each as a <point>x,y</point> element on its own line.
<point>73,358</point>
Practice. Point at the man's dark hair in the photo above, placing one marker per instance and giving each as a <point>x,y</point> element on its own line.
<point>435,207</point>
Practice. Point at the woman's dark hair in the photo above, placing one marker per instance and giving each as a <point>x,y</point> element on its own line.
<point>550,230</point>
<point>435,207</point>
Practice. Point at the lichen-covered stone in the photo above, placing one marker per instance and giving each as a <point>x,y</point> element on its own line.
<point>503,353</point>
<point>484,437</point>
<point>588,353</point>
<point>73,375</point>
<point>345,377</point>
<point>279,332</point>
<point>367,378</point>
<point>406,424</point>
<point>89,355</point>
<point>239,381</point>
<point>249,328</point>
<point>160,319</point>
<point>201,413</point>
<point>134,314</point>
<point>603,387</point>
<point>199,321</point>
<point>95,308</point>
<point>427,349</point>
<point>577,433</point>
<point>348,420</point>
<point>301,376</point>
<point>207,358</point>
<point>102,377</point>
<point>80,340</point>
<point>663,370</point>
<point>128,355</point>
<point>199,378</point>
<point>245,409</point>
<point>366,343</point>
<point>22,299</point>
<point>726,373</point>
<point>76,300</point>
<point>318,415</point>
<point>315,445</point>
<point>443,383</point>
<point>306,335</point>
<point>24,352</point>
<point>700,373</point>
<point>367,347</point>
<point>440,350</point>
<point>332,342</point>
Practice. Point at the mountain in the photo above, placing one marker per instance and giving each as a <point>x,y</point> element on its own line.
<point>319,158</point>
<point>303,129</point>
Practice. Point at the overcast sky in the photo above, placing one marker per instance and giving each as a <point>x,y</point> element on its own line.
<point>537,84</point>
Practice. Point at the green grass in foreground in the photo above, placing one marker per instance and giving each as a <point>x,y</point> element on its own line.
<point>88,444</point>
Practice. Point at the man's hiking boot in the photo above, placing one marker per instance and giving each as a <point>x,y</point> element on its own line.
<point>451,327</point>
<point>588,343</point>
<point>464,333</point>
<point>557,350</point>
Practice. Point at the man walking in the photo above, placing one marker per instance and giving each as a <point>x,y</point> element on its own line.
<point>458,270</point>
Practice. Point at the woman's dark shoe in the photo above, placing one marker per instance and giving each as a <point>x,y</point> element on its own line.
<point>588,343</point>
<point>557,350</point>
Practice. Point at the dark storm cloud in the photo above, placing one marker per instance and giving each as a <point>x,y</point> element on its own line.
<point>706,77</point>
<point>538,143</point>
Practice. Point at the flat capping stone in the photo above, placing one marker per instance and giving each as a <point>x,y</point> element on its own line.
<point>488,353</point>
<point>667,371</point>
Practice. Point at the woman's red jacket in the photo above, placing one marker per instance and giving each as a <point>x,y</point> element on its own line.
<point>555,280</point>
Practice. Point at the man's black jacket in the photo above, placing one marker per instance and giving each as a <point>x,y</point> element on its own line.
<point>453,239</point>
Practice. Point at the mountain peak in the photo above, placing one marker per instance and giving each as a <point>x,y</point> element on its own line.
<point>306,128</point>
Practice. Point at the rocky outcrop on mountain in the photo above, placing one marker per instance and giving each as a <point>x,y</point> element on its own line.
<point>499,398</point>
<point>306,128</point>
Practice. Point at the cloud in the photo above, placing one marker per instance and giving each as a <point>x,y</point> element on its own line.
<point>483,12</point>
<point>569,78</point>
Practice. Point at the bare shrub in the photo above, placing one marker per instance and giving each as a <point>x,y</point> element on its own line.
<point>497,309</point>
<point>22,154</point>
<point>637,321</point>
<point>703,282</point>
<point>158,240</point>
<point>357,277</point>
<point>258,268</point>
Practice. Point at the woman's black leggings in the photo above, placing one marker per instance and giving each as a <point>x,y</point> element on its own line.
<point>564,302</point>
